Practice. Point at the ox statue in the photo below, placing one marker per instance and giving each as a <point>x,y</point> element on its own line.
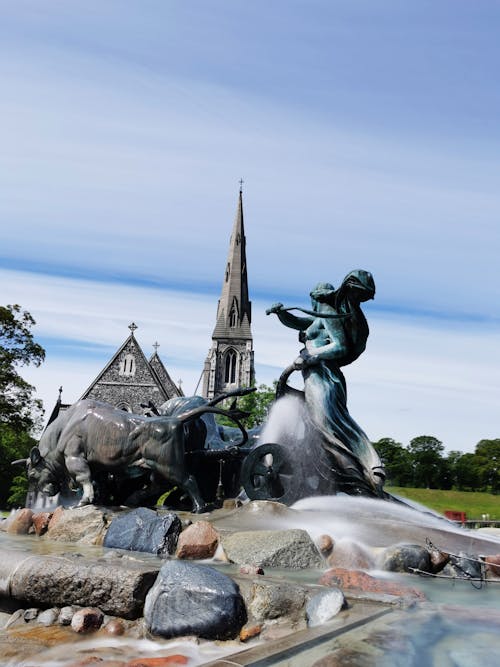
<point>92,436</point>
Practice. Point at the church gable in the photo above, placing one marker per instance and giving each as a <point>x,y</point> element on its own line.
<point>128,380</point>
<point>170,387</point>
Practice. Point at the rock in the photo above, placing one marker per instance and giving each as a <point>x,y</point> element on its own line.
<point>41,522</point>
<point>438,560</point>
<point>65,615</point>
<point>48,617</point>
<point>192,599</point>
<point>352,555</point>
<point>463,566</point>
<point>356,580</point>
<point>87,620</point>
<point>404,557</point>
<point>31,614</point>
<point>21,522</point>
<point>57,514</point>
<point>270,600</point>
<point>144,530</point>
<point>115,627</point>
<point>493,565</point>
<point>324,544</point>
<point>4,618</point>
<point>251,569</point>
<point>250,631</point>
<point>85,525</point>
<point>116,587</point>
<point>199,540</point>
<point>272,548</point>
<point>15,618</point>
<point>324,606</point>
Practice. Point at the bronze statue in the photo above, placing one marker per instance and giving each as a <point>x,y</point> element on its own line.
<point>93,437</point>
<point>334,334</point>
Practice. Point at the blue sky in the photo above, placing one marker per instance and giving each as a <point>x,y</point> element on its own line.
<point>367,135</point>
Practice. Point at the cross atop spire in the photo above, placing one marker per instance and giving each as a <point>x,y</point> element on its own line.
<point>156,345</point>
<point>132,326</point>
<point>241,184</point>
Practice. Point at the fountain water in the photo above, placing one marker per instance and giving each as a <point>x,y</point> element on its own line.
<point>309,446</point>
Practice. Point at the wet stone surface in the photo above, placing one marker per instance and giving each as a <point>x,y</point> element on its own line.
<point>292,549</point>
<point>191,599</point>
<point>144,530</point>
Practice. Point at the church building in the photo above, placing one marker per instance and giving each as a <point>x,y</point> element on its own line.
<point>230,360</point>
<point>130,379</point>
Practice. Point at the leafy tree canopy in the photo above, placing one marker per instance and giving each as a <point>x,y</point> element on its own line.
<point>257,404</point>
<point>18,408</point>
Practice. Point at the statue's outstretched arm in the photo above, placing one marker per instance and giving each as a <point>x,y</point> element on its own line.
<point>289,320</point>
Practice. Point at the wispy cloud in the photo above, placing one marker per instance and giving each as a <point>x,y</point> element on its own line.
<point>366,139</point>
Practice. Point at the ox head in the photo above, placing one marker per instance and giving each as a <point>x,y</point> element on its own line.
<point>40,474</point>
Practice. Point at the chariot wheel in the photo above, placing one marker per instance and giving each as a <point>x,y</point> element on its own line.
<point>267,474</point>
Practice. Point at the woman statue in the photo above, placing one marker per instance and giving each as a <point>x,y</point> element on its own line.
<point>334,334</point>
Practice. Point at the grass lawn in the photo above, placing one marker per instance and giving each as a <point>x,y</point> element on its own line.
<point>472,503</point>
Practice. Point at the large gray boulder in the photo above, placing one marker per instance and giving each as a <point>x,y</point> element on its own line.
<point>117,588</point>
<point>143,529</point>
<point>292,549</point>
<point>192,599</point>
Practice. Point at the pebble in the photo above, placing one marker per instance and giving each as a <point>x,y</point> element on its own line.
<point>49,616</point>
<point>65,615</point>
<point>114,627</point>
<point>250,631</point>
<point>30,614</point>
<point>325,545</point>
<point>87,619</point>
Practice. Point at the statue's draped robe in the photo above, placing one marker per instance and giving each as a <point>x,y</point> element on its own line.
<point>338,342</point>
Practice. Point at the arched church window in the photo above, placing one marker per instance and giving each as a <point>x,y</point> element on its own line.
<point>228,271</point>
<point>127,365</point>
<point>230,367</point>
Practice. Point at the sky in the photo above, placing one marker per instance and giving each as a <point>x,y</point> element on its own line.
<point>366,134</point>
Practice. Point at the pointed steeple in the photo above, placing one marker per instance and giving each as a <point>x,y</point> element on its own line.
<point>234,313</point>
<point>230,359</point>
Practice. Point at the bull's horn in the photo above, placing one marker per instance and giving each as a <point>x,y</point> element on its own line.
<point>195,413</point>
<point>19,462</point>
<point>240,391</point>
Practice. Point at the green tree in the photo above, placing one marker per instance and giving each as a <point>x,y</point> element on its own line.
<point>397,462</point>
<point>15,443</point>
<point>257,404</point>
<point>18,407</point>
<point>426,452</point>
<point>487,455</point>
<point>467,473</point>
<point>20,412</point>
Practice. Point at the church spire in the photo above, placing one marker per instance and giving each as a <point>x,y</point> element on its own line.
<point>230,360</point>
<point>234,314</point>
